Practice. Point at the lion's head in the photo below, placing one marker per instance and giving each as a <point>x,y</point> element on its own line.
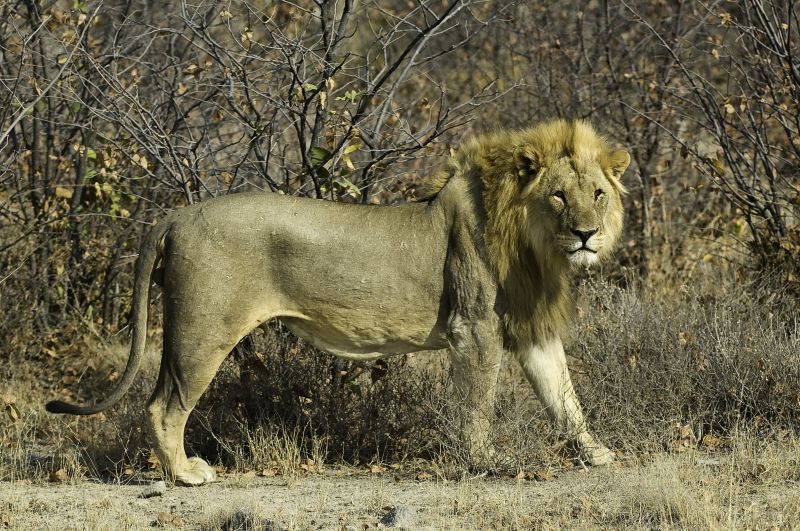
<point>571,191</point>
<point>551,197</point>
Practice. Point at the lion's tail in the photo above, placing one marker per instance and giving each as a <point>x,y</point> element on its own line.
<point>152,250</point>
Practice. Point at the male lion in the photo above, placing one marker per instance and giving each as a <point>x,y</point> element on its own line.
<point>480,266</point>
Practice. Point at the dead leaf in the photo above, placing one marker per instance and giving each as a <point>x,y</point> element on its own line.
<point>309,465</point>
<point>191,70</point>
<point>58,476</point>
<point>62,192</point>
<point>545,474</point>
<point>152,460</point>
<point>12,412</point>
<point>684,440</point>
<point>166,518</point>
<point>376,469</point>
<point>684,338</point>
<point>423,476</point>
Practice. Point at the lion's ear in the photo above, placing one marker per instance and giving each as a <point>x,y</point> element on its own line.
<point>527,163</point>
<point>618,162</point>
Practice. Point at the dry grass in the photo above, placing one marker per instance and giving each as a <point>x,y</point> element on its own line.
<point>649,369</point>
<point>653,377</point>
<point>697,490</point>
<point>702,379</point>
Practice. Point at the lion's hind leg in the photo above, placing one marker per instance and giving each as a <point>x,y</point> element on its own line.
<point>192,356</point>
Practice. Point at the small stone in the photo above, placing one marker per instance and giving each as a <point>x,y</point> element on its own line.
<point>157,488</point>
<point>400,516</point>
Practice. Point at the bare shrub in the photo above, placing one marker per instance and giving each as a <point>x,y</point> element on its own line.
<point>331,409</point>
<point>112,114</point>
<point>712,363</point>
<point>740,82</point>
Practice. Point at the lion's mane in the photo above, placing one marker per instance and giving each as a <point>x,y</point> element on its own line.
<point>535,285</point>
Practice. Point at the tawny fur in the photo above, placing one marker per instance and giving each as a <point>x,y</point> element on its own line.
<point>537,290</point>
<point>481,267</point>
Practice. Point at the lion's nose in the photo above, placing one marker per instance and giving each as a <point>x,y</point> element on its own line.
<point>584,235</point>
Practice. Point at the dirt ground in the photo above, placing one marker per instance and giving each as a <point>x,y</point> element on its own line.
<point>670,492</point>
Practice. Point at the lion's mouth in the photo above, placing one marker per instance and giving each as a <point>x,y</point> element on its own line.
<point>583,248</point>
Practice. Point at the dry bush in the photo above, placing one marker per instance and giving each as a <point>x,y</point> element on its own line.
<point>713,363</point>
<point>652,377</point>
<point>671,495</point>
<point>114,113</point>
<point>38,445</point>
<point>308,404</point>
<point>689,374</point>
<point>110,118</point>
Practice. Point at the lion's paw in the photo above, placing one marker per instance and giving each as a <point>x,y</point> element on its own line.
<point>197,473</point>
<point>597,455</point>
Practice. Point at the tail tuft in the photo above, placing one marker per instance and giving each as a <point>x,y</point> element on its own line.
<point>57,406</point>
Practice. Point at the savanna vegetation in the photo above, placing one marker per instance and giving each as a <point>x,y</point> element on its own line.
<point>114,112</point>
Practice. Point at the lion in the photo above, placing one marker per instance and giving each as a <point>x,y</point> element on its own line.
<point>479,266</point>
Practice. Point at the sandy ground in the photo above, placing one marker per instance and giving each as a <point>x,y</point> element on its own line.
<point>667,493</point>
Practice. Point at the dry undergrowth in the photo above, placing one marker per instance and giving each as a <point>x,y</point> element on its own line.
<point>712,378</point>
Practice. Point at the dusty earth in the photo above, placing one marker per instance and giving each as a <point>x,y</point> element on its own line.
<point>671,491</point>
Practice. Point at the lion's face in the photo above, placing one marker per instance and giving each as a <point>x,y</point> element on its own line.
<point>575,211</point>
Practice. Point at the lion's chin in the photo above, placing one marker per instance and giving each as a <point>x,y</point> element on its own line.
<point>582,258</point>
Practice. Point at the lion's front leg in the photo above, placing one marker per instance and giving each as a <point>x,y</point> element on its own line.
<point>545,366</point>
<point>476,354</point>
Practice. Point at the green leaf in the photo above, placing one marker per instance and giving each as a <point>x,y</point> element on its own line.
<point>352,148</point>
<point>350,96</point>
<point>309,87</point>
<point>319,156</point>
<point>348,185</point>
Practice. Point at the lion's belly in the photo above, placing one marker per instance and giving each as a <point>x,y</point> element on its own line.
<point>370,338</point>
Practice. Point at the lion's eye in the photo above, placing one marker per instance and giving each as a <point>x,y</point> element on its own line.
<point>560,196</point>
<point>598,194</point>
